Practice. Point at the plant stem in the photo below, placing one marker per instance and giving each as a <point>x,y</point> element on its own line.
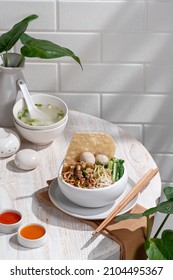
<point>162,224</point>
<point>6,59</point>
<point>20,61</point>
<point>148,228</point>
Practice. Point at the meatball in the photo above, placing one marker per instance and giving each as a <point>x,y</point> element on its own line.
<point>87,157</point>
<point>102,159</point>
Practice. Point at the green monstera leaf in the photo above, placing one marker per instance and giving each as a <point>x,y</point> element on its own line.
<point>44,49</point>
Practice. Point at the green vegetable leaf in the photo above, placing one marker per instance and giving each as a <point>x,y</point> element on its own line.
<point>44,49</point>
<point>9,39</point>
<point>168,191</point>
<point>160,249</point>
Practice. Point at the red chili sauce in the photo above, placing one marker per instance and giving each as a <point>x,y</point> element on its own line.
<point>9,217</point>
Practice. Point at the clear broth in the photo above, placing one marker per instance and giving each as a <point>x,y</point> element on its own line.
<point>55,113</point>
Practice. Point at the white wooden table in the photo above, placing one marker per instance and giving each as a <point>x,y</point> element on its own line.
<point>68,238</point>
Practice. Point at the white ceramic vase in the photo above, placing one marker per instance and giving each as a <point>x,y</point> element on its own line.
<point>8,87</point>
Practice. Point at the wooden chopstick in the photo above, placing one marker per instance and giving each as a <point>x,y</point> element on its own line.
<point>135,190</point>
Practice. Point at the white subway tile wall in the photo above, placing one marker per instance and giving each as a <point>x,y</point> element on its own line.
<point>126,48</point>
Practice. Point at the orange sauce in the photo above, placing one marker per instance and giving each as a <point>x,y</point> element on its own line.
<point>32,231</point>
<point>9,218</point>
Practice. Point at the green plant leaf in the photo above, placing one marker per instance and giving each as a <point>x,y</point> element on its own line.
<point>150,211</point>
<point>168,191</point>
<point>155,250</point>
<point>9,39</point>
<point>128,216</point>
<point>44,49</point>
<point>165,207</point>
<point>125,216</point>
<point>160,249</point>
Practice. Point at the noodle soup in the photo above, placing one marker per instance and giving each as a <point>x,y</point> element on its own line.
<point>92,196</point>
<point>94,175</point>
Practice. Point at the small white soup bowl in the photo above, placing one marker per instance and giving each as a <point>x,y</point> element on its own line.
<point>8,225</point>
<point>41,99</point>
<point>32,241</point>
<point>41,137</point>
<point>93,198</point>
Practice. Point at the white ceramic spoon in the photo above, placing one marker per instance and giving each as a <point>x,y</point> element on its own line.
<point>33,111</point>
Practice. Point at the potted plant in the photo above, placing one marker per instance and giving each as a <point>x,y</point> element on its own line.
<point>11,63</point>
<point>157,248</point>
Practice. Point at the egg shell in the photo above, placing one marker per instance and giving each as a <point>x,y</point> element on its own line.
<point>9,142</point>
<point>27,159</point>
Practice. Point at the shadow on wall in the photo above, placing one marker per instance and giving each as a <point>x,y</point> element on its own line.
<point>101,76</point>
<point>134,77</point>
